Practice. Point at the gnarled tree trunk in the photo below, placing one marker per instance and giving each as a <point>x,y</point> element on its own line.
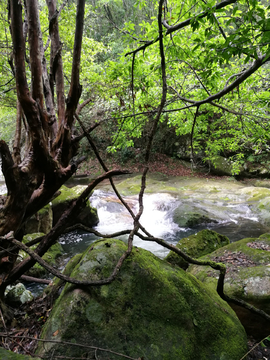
<point>33,176</point>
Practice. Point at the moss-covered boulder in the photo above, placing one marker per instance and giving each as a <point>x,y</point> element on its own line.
<point>9,355</point>
<point>40,222</point>
<point>152,311</point>
<point>248,274</point>
<point>221,166</point>
<point>187,215</point>
<point>57,285</point>
<point>197,245</point>
<point>17,295</point>
<point>88,216</point>
<point>259,200</point>
<point>50,257</point>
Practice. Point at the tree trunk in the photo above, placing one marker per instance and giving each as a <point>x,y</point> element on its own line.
<point>33,180</point>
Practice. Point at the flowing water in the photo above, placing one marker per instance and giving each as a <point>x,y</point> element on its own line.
<point>225,203</point>
<point>238,221</point>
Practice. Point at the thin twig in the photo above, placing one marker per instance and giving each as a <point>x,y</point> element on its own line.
<point>69,343</point>
<point>254,347</point>
<point>191,137</point>
<point>164,83</point>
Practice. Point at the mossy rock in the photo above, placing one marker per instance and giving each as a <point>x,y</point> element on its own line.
<point>88,216</point>
<point>248,272</point>
<point>50,257</point>
<point>221,166</point>
<point>255,193</point>
<point>40,222</point>
<point>17,295</point>
<point>186,215</point>
<point>9,355</point>
<point>151,310</point>
<point>57,284</point>
<point>197,245</point>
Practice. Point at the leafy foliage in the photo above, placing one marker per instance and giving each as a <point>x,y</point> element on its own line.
<point>208,47</point>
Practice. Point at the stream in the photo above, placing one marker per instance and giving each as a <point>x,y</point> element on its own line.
<point>228,209</point>
<point>224,204</point>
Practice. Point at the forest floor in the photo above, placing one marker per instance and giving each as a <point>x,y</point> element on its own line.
<point>159,163</point>
<point>21,335</point>
<point>30,318</point>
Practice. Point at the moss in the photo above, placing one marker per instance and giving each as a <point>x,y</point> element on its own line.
<point>256,193</point>
<point>9,355</point>
<point>250,283</point>
<point>68,194</point>
<point>54,288</point>
<point>88,216</point>
<point>50,257</point>
<point>151,310</point>
<point>259,256</point>
<point>197,245</point>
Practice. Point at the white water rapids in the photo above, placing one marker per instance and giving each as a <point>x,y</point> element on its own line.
<point>157,217</point>
<point>235,219</point>
<point>238,221</point>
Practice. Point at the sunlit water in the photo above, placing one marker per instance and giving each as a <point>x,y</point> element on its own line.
<point>157,218</point>
<point>236,221</point>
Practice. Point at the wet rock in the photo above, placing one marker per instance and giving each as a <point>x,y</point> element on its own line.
<point>247,277</point>
<point>221,166</point>
<point>50,257</point>
<point>40,222</point>
<point>88,216</point>
<point>197,245</point>
<point>17,295</point>
<point>152,310</point>
<point>186,215</point>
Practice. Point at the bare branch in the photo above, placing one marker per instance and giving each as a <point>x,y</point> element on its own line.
<point>17,139</point>
<point>191,137</point>
<point>7,165</point>
<point>164,83</point>
<point>19,47</point>
<point>56,64</point>
<point>66,343</point>
<point>183,24</point>
<point>92,144</point>
<point>75,87</point>
<point>35,56</point>
<point>53,235</point>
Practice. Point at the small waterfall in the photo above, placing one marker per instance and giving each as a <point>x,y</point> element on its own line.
<point>235,221</point>
<point>156,217</point>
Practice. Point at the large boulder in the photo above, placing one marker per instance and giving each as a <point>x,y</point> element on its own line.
<point>197,245</point>
<point>247,277</point>
<point>152,311</point>
<point>42,221</point>
<point>187,215</point>
<point>88,216</point>
<point>221,166</point>
<point>259,200</point>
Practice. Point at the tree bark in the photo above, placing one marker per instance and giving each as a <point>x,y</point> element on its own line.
<point>34,179</point>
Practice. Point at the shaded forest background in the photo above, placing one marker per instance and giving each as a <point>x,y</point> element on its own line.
<point>121,93</point>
